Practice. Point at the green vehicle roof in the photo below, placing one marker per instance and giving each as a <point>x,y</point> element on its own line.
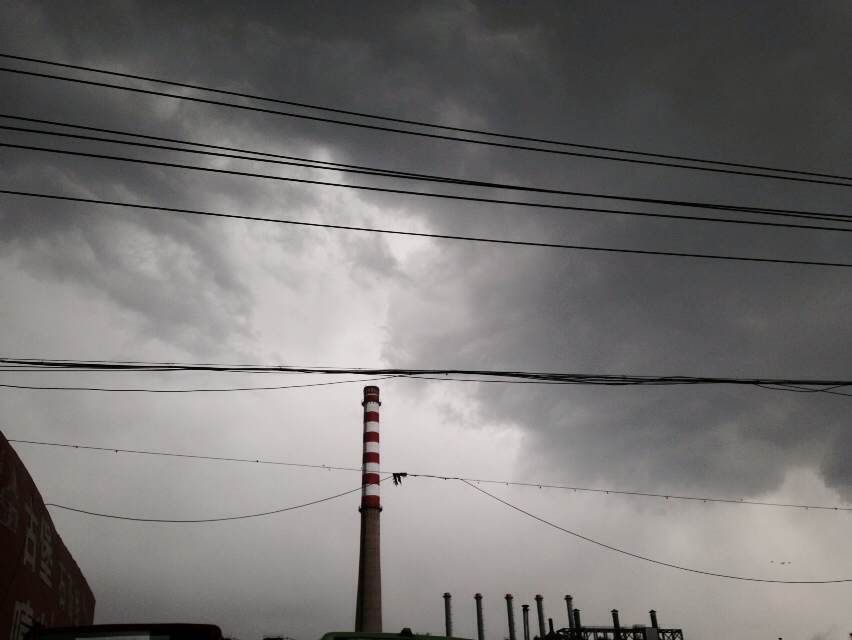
<point>358,635</point>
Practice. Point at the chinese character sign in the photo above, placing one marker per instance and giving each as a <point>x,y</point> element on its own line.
<point>43,585</point>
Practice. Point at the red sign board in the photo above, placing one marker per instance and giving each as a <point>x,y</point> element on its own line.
<point>39,581</point>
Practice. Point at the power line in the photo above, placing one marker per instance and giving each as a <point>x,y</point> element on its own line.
<point>508,504</point>
<point>379,172</point>
<point>194,390</point>
<point>785,388</point>
<point>170,454</point>
<point>539,376</point>
<point>832,178</point>
<point>646,558</point>
<point>642,494</point>
<point>512,483</point>
<point>440,236</point>
<point>473,486</point>
<point>792,389</point>
<point>207,145</point>
<point>441,378</point>
<point>113,516</point>
<point>269,157</point>
<point>400,120</point>
<point>790,213</point>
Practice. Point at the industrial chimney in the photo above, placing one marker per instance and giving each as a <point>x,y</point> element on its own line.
<point>368,605</point>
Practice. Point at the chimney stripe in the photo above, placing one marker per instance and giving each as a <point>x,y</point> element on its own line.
<point>371,490</point>
<point>370,501</point>
<point>371,459</point>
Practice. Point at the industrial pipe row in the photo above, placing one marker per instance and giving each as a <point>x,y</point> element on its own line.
<point>574,621</point>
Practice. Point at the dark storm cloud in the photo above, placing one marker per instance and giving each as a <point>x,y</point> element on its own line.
<point>661,316</point>
<point>177,274</point>
<point>757,82</point>
<point>759,88</point>
<point>177,277</point>
<point>747,82</point>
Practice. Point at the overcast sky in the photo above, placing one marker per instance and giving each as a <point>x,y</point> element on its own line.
<point>759,82</point>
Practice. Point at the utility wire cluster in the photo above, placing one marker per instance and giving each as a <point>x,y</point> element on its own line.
<point>245,516</point>
<point>466,190</point>
<point>397,477</point>
<point>609,547</point>
<point>603,545</point>
<point>271,158</point>
<point>799,385</point>
<point>749,215</point>
<point>417,234</point>
<point>187,390</point>
<point>699,164</point>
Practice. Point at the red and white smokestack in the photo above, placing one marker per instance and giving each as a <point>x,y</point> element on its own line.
<point>368,604</point>
<point>370,478</point>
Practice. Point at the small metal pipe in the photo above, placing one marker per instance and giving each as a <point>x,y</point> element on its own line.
<point>525,610</point>
<point>448,615</point>
<point>480,631</point>
<point>654,622</point>
<point>577,624</point>
<point>539,606</point>
<point>616,625</point>
<point>569,604</point>
<point>550,630</point>
<point>510,614</point>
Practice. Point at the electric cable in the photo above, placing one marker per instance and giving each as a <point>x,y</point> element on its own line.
<point>206,145</point>
<point>440,236</point>
<point>508,483</point>
<point>789,388</point>
<point>790,213</point>
<point>494,497</point>
<point>637,556</point>
<point>833,179</point>
<point>444,378</point>
<point>566,378</point>
<point>795,389</point>
<point>386,173</point>
<point>785,388</point>
<point>113,516</point>
<point>193,390</point>
<point>412,122</point>
<point>169,454</point>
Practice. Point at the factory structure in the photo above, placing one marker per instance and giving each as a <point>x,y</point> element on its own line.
<point>368,603</point>
<point>575,629</point>
<point>45,587</point>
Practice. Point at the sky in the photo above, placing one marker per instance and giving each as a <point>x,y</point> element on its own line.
<point>764,83</point>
